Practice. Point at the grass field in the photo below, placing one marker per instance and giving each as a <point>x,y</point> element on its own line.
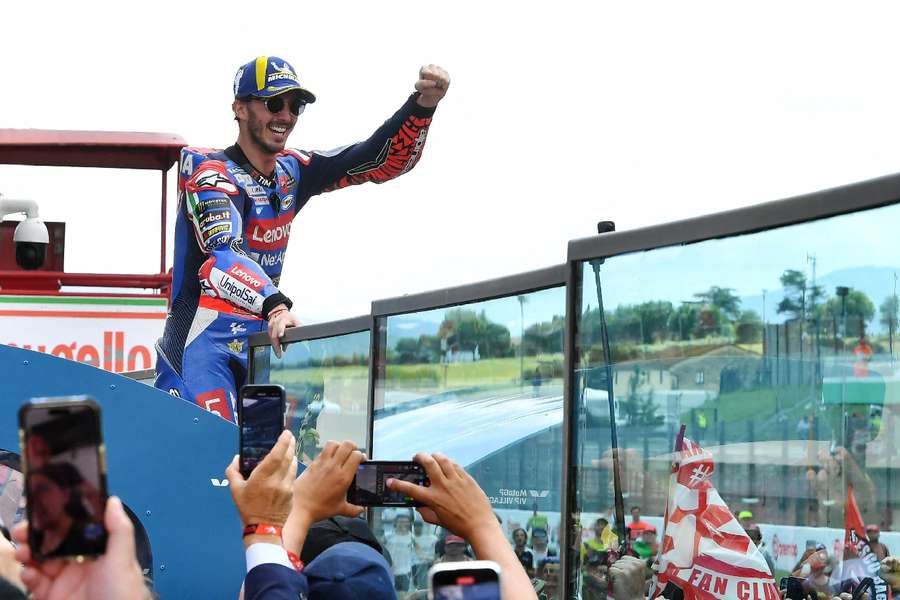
<point>757,404</point>
<point>482,372</point>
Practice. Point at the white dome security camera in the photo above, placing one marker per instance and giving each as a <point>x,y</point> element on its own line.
<point>31,236</point>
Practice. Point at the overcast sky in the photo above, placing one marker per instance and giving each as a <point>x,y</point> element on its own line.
<point>559,114</point>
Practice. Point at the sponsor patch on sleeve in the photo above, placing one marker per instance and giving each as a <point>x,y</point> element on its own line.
<point>212,176</point>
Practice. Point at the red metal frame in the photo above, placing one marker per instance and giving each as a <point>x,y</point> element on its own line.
<point>108,149</point>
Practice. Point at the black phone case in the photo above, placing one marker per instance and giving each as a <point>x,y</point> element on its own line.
<point>240,410</point>
<point>352,495</point>
<point>48,404</point>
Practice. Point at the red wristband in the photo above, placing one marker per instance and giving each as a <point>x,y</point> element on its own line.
<point>295,560</point>
<point>262,529</point>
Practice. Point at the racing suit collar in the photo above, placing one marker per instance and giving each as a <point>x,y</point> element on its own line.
<point>237,155</point>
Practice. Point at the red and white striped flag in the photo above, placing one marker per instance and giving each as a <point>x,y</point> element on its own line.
<point>705,551</point>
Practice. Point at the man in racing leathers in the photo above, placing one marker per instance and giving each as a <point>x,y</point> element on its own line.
<point>234,218</point>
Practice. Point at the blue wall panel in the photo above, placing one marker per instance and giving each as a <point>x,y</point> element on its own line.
<point>163,455</point>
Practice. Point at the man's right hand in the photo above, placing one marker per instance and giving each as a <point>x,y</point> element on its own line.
<point>321,491</point>
<point>453,500</point>
<point>278,324</point>
<point>265,497</point>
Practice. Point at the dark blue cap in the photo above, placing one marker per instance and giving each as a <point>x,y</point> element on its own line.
<point>268,76</point>
<point>349,571</point>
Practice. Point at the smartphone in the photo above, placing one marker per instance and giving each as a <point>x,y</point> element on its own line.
<point>794,588</point>
<point>261,416</point>
<point>368,489</point>
<point>64,461</point>
<point>472,580</point>
<point>866,585</point>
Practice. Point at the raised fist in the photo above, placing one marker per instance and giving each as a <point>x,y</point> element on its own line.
<point>432,85</point>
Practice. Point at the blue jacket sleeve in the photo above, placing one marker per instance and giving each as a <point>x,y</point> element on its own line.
<point>214,206</point>
<point>392,150</point>
<point>271,581</point>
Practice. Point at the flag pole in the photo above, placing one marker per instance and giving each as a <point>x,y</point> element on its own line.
<point>619,502</point>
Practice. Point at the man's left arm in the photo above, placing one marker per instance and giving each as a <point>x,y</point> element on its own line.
<point>392,150</point>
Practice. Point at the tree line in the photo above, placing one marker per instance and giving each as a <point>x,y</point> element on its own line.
<point>468,330</point>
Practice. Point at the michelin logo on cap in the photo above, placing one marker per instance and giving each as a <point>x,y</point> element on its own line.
<point>282,72</point>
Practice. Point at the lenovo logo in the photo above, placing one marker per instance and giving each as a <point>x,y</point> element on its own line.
<point>270,234</point>
<point>239,273</point>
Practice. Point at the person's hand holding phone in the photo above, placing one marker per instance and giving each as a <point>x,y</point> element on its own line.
<point>265,497</point>
<point>453,500</point>
<point>115,575</point>
<point>10,568</point>
<point>321,491</point>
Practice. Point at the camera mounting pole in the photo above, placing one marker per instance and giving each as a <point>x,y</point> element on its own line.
<point>11,206</point>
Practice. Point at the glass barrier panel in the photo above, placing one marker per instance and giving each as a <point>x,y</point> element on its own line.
<point>776,350</point>
<point>327,383</point>
<point>483,384</point>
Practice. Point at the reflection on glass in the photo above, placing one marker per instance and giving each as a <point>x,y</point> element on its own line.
<point>776,350</point>
<point>326,381</point>
<point>481,383</point>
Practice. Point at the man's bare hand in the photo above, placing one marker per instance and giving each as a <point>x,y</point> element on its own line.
<point>432,85</point>
<point>453,500</point>
<point>282,320</point>
<point>265,497</point>
<point>321,491</point>
<point>114,576</point>
<point>626,577</point>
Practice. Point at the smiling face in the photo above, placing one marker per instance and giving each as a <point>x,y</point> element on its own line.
<point>266,130</point>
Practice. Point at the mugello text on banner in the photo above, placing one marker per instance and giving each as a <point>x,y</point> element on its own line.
<point>115,334</point>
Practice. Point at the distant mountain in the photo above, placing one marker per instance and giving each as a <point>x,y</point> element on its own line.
<point>876,282</point>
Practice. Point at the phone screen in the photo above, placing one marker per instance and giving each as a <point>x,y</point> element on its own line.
<point>65,478</point>
<point>262,421</point>
<point>368,488</point>
<point>466,584</point>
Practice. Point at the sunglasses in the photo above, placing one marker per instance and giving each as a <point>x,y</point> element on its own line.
<point>275,104</point>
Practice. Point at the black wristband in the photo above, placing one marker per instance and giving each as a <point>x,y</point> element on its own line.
<point>418,110</point>
<point>273,301</point>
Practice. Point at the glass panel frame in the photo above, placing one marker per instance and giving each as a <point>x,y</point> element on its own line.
<point>849,199</point>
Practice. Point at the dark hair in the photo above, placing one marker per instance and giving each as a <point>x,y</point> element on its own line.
<point>548,560</point>
<point>515,531</point>
<point>635,508</point>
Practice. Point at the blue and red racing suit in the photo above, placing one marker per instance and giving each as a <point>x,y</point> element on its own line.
<point>231,235</point>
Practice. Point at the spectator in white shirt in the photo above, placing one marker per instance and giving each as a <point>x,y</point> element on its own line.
<point>400,546</point>
<point>424,540</point>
